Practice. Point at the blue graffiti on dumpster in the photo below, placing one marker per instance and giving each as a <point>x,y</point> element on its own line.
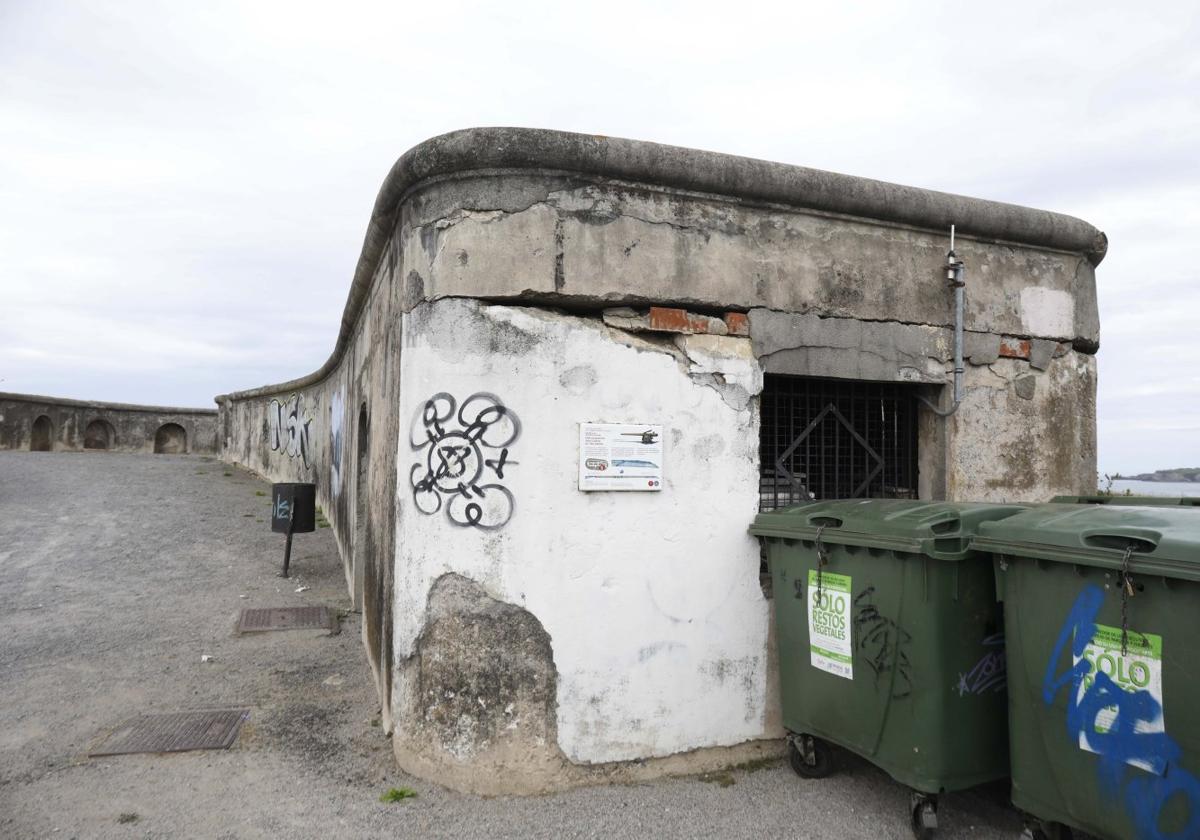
<point>1145,794</point>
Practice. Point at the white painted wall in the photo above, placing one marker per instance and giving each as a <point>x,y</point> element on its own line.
<point>651,600</point>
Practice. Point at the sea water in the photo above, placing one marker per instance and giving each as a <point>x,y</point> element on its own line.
<point>1155,488</point>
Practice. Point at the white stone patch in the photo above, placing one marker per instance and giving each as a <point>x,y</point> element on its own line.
<point>1047,313</point>
<point>651,600</point>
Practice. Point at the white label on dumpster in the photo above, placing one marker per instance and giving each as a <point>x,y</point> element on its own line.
<point>1139,670</point>
<point>829,642</point>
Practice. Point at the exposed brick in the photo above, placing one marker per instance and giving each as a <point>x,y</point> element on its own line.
<point>1014,348</point>
<point>737,323</point>
<point>666,319</point>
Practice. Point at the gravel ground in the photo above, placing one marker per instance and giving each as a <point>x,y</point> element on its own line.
<point>118,572</point>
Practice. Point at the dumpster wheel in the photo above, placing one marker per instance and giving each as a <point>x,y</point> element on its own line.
<point>809,756</point>
<point>1036,829</point>
<point>924,815</point>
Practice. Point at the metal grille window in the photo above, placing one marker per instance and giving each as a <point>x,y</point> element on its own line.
<point>836,439</point>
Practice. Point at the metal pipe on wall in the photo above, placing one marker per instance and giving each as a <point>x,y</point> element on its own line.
<point>956,277</point>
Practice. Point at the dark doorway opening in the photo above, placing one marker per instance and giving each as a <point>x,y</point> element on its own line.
<point>98,435</point>
<point>170,439</point>
<point>362,493</point>
<point>836,439</point>
<point>41,437</point>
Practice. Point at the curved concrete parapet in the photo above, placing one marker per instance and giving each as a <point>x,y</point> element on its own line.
<point>514,284</point>
<point>503,152</point>
<point>29,421</point>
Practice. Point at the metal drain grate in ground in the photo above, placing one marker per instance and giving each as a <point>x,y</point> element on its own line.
<point>284,618</point>
<point>175,732</point>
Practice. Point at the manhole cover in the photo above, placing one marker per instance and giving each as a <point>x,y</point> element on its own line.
<point>175,732</point>
<point>283,618</point>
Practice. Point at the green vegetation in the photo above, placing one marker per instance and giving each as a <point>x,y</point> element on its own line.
<point>128,817</point>
<point>227,473</point>
<point>322,522</point>
<point>260,492</point>
<point>1106,485</point>
<point>398,794</point>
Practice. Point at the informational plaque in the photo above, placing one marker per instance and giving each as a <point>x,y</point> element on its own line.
<point>620,456</point>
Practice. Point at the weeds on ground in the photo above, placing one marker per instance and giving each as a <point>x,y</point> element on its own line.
<point>725,778</point>
<point>756,764</point>
<point>322,522</point>
<point>397,794</point>
<point>227,473</point>
<point>260,492</point>
<point>128,817</point>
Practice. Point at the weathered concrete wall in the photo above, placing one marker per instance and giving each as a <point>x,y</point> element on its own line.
<point>28,421</point>
<point>339,431</point>
<point>597,243</point>
<point>512,274</point>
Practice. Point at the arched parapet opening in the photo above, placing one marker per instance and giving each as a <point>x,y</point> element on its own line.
<point>170,439</point>
<point>41,438</point>
<point>99,434</point>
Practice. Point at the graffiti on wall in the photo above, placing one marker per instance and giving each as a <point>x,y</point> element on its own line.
<point>337,409</point>
<point>1110,715</point>
<point>288,427</point>
<point>464,458</point>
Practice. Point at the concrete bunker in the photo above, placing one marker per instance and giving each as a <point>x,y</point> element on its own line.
<point>170,439</point>
<point>98,434</point>
<point>41,434</point>
<point>787,329</point>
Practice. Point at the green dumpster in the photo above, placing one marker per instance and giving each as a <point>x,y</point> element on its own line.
<point>1102,610</point>
<point>1140,501</point>
<point>891,644</point>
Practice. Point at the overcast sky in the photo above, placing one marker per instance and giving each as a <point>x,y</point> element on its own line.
<point>184,187</point>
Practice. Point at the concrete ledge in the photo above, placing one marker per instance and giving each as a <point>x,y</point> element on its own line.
<point>478,150</point>
<point>106,406</point>
<point>550,776</point>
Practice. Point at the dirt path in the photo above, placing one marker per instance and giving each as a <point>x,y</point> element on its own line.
<point>118,572</point>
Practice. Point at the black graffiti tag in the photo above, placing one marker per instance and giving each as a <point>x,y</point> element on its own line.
<point>288,427</point>
<point>883,643</point>
<point>466,450</point>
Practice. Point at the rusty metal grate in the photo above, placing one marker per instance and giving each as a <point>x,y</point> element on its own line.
<point>836,439</point>
<point>175,732</point>
<point>284,618</point>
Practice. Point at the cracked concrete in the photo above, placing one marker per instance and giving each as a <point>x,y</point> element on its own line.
<point>608,242</point>
<point>808,345</point>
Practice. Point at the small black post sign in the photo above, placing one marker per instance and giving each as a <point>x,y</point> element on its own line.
<point>293,511</point>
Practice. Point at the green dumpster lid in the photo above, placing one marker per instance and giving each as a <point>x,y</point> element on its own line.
<point>1140,501</point>
<point>1162,540</point>
<point>938,529</point>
